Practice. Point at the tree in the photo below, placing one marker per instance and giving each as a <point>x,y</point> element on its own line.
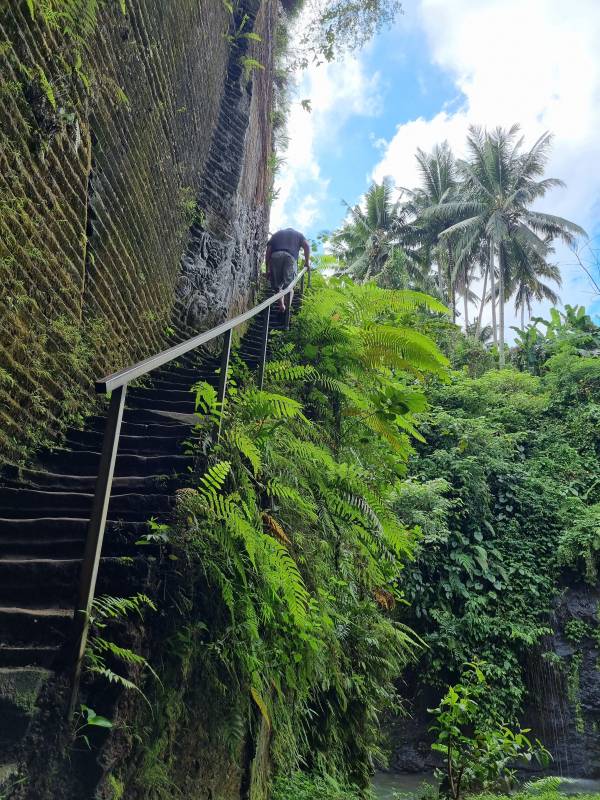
<point>438,186</point>
<point>498,185</point>
<point>527,284</point>
<point>371,233</point>
<point>479,751</point>
<point>332,27</point>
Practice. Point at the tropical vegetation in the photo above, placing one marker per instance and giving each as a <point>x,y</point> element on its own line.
<point>469,220</point>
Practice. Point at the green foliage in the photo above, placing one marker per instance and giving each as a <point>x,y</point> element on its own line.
<point>335,27</point>
<point>300,786</point>
<point>505,491</point>
<point>101,653</point>
<point>478,749</point>
<point>579,545</point>
<point>292,528</point>
<point>541,789</point>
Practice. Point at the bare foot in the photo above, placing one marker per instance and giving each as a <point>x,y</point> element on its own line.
<point>282,305</point>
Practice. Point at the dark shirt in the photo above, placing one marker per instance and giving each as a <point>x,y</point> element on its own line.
<point>289,240</point>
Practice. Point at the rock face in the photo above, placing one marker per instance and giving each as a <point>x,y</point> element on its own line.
<point>127,138</point>
<point>563,677</point>
<point>219,270</point>
<point>565,685</point>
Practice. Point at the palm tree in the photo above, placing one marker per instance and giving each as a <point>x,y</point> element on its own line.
<point>527,272</point>
<point>499,184</point>
<point>367,239</point>
<point>437,171</point>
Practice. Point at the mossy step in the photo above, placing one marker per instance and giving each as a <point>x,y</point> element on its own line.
<point>19,690</point>
<point>48,581</point>
<point>28,656</point>
<point>52,481</point>
<point>126,464</point>
<point>159,404</point>
<point>50,528</point>
<point>34,626</point>
<point>132,506</point>
<point>128,445</point>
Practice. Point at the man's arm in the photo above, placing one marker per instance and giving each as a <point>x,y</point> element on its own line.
<point>306,248</point>
<point>268,259</point>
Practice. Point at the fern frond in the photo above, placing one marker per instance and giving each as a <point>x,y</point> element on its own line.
<point>262,405</point>
<point>284,371</point>
<point>242,442</point>
<point>113,677</point>
<point>292,496</point>
<point>108,607</point>
<point>213,479</point>
<point>276,529</point>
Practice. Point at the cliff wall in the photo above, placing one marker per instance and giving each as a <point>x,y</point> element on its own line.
<point>130,133</point>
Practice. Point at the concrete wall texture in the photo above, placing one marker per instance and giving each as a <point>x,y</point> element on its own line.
<point>134,147</point>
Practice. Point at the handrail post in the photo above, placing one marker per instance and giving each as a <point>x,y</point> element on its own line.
<point>223,376</point>
<point>288,310</point>
<point>308,272</point>
<point>302,285</point>
<point>263,347</point>
<point>95,535</point>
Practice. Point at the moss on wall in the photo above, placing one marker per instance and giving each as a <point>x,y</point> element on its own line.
<point>106,142</point>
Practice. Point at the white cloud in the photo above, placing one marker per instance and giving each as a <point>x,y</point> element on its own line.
<point>529,61</point>
<point>337,91</point>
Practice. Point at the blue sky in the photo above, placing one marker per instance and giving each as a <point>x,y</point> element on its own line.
<point>442,67</point>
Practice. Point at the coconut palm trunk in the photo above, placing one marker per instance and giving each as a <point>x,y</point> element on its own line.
<point>523,316</point>
<point>482,304</point>
<point>451,286</point>
<point>501,279</point>
<point>466,304</point>
<point>493,293</point>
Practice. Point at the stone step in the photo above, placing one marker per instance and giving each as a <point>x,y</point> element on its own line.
<point>158,404</point>
<point>128,445</point>
<point>155,393</point>
<point>50,481</point>
<point>19,690</point>
<point>51,581</point>
<point>189,374</point>
<point>135,507</point>
<point>87,461</point>
<point>48,529</point>
<point>45,626</point>
<point>155,426</point>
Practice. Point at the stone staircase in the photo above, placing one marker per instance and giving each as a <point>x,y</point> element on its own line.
<point>44,513</point>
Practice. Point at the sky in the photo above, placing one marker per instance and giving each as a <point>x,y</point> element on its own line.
<point>445,66</point>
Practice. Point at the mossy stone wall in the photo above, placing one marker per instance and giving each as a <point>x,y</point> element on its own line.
<point>117,136</point>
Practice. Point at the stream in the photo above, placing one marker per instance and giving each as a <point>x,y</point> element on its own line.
<point>387,785</point>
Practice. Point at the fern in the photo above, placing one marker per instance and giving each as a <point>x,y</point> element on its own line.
<point>261,405</point>
<point>214,478</point>
<point>285,372</point>
<point>106,608</point>
<point>242,442</point>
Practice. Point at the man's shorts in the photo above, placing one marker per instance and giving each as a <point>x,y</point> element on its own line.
<point>283,269</point>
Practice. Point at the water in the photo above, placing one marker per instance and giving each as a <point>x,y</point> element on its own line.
<point>387,784</point>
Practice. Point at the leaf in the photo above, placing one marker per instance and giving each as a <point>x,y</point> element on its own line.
<point>275,529</point>
<point>256,696</point>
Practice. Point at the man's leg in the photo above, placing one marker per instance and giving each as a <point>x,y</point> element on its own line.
<point>290,274</point>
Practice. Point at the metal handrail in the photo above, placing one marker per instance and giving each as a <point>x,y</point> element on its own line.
<point>128,374</point>
<point>117,384</point>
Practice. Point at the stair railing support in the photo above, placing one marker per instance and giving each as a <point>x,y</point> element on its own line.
<point>288,309</point>
<point>263,347</point>
<point>95,536</point>
<point>225,353</point>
